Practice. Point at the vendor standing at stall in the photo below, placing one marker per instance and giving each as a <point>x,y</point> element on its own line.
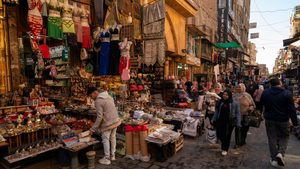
<point>106,122</point>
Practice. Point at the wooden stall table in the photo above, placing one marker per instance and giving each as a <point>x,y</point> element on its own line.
<point>4,148</point>
<point>73,151</point>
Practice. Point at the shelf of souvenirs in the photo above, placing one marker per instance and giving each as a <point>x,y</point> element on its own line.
<point>32,151</point>
<point>44,108</point>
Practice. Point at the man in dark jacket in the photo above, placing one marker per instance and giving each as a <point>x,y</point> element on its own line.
<point>279,108</point>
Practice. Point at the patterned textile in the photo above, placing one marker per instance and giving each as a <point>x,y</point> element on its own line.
<point>154,30</point>
<point>55,27</point>
<point>68,26</point>
<point>154,12</point>
<point>154,51</point>
<point>36,25</point>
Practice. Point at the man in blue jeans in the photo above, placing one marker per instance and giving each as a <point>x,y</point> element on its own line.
<point>278,109</point>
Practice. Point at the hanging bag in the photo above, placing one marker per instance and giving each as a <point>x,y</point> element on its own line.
<point>45,48</point>
<point>126,72</point>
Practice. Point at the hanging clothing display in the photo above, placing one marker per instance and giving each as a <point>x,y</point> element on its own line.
<point>154,12</point>
<point>35,21</point>
<point>154,51</point>
<point>154,30</point>
<point>115,52</point>
<point>55,24</point>
<point>104,53</point>
<point>125,55</point>
<point>86,33</point>
<point>86,37</point>
<point>78,27</point>
<point>67,21</point>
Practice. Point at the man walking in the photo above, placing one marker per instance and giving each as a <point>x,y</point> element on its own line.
<point>279,108</point>
<point>106,122</point>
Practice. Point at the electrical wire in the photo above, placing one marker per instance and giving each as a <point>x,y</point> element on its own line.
<point>272,11</point>
<point>275,30</point>
<point>275,23</point>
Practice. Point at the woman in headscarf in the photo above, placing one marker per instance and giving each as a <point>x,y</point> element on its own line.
<point>225,119</point>
<point>247,106</point>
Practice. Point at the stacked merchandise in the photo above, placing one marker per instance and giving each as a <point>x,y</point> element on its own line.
<point>31,136</point>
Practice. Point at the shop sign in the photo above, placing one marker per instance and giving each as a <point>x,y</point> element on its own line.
<point>254,35</point>
<point>252,25</point>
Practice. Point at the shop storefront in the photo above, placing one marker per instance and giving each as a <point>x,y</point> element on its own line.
<point>65,47</point>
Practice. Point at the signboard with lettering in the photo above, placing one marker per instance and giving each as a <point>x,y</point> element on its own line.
<point>252,25</point>
<point>254,35</point>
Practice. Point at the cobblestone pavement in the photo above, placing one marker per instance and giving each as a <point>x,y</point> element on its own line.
<point>197,154</point>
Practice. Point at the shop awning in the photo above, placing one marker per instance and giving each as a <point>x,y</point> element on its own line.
<point>289,41</point>
<point>227,45</point>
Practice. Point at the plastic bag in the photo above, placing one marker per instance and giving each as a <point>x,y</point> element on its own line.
<point>211,136</point>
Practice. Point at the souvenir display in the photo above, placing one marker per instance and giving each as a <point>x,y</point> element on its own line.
<point>109,46</point>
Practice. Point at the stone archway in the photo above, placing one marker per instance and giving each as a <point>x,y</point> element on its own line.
<point>171,38</point>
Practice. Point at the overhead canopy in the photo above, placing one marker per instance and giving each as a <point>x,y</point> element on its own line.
<point>227,45</point>
<point>287,42</point>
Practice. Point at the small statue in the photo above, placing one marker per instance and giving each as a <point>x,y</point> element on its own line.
<point>29,126</point>
<point>20,127</point>
<point>37,121</point>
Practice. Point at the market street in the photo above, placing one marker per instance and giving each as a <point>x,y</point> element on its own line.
<point>197,154</point>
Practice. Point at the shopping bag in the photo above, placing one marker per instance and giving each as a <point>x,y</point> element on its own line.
<point>211,136</point>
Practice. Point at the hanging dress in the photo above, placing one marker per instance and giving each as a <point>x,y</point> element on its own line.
<point>125,56</point>
<point>67,21</point>
<point>115,53</point>
<point>104,53</point>
<point>78,27</point>
<point>55,23</point>
<point>35,21</point>
<point>86,33</point>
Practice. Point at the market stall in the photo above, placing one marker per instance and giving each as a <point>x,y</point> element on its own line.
<point>67,47</point>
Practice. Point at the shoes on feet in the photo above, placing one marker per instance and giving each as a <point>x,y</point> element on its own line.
<point>113,158</point>
<point>274,163</point>
<point>224,153</point>
<point>104,161</point>
<point>279,159</point>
